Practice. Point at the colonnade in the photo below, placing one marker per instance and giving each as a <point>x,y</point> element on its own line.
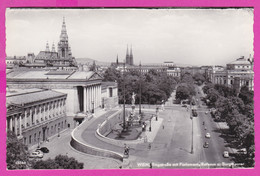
<point>92,97</point>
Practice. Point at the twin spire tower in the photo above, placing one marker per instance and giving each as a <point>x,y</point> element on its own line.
<point>129,57</point>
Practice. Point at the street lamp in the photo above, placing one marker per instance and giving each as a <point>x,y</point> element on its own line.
<point>191,130</point>
<point>92,107</point>
<point>157,109</point>
<point>150,128</point>
<point>124,126</point>
<point>140,90</point>
<point>58,131</point>
<point>103,103</point>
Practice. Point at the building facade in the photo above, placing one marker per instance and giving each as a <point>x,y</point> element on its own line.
<point>83,89</point>
<point>235,75</point>
<point>109,95</point>
<point>34,115</point>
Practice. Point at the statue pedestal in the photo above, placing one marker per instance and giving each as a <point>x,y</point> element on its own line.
<point>133,109</point>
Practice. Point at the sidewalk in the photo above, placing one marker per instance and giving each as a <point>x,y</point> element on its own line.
<point>155,126</point>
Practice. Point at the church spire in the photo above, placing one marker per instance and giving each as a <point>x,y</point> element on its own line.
<point>63,35</point>
<point>53,48</point>
<point>127,59</point>
<point>47,47</point>
<point>131,57</point>
<point>117,59</point>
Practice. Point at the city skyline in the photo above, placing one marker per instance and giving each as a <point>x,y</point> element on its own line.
<point>218,35</point>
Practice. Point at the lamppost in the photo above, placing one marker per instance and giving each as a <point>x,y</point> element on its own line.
<point>124,126</point>
<point>150,128</point>
<point>92,107</point>
<point>157,110</point>
<point>103,103</point>
<point>191,130</point>
<point>140,89</point>
<point>58,131</point>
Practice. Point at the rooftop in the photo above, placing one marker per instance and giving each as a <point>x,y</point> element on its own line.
<point>32,96</point>
<point>53,74</point>
<point>241,61</point>
<point>109,84</point>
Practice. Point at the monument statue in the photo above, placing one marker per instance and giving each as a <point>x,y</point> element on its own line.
<point>133,98</point>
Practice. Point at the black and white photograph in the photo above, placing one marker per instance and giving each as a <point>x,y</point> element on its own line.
<point>129,88</point>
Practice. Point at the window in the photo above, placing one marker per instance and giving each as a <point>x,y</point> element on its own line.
<point>110,91</point>
<point>30,139</point>
<point>32,118</point>
<point>34,137</point>
<point>24,140</point>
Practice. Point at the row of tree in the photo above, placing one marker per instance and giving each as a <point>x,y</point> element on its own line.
<point>155,86</point>
<point>237,110</point>
<point>186,89</point>
<point>17,157</point>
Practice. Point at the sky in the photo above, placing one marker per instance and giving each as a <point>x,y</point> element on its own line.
<point>184,36</point>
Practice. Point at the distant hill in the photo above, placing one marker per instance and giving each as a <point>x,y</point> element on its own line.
<point>89,61</point>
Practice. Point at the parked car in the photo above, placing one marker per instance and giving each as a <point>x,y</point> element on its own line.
<point>206,145</point>
<point>207,135</point>
<point>242,151</point>
<point>43,149</point>
<point>225,154</point>
<point>36,154</point>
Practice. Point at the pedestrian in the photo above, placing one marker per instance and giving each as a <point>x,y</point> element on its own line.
<point>151,165</point>
<point>149,146</point>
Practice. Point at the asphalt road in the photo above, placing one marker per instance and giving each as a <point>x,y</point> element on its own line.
<point>172,147</point>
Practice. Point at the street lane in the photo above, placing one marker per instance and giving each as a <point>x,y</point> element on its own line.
<point>173,142</point>
<point>216,144</point>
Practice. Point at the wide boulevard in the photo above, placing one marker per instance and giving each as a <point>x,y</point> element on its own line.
<point>179,141</point>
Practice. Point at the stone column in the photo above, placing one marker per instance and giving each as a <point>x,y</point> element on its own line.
<point>91,94</point>
<point>59,107</point>
<point>52,109</point>
<point>76,102</point>
<point>20,124</point>
<point>47,111</point>
<point>85,99</point>
<point>95,96</point>
<point>11,123</point>
<point>35,115</point>
<point>100,101</point>
<point>25,118</point>
<point>64,106</point>
<point>15,124</point>
<point>30,116</point>
<point>44,113</point>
